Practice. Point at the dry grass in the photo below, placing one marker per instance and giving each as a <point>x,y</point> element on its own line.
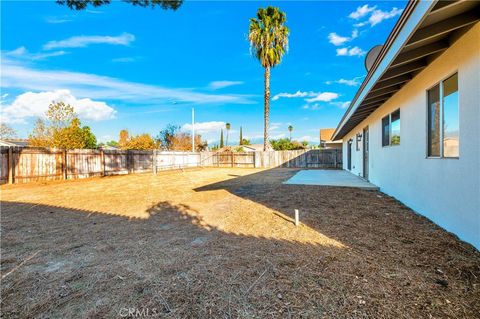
<point>220,243</point>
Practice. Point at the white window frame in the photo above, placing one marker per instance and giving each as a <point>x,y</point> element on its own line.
<point>440,86</point>
<point>390,128</point>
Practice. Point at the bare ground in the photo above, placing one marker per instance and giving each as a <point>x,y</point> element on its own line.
<point>221,243</point>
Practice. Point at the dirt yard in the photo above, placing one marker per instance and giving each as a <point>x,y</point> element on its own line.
<point>221,243</point>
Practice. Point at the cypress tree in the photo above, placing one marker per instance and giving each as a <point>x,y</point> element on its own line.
<point>241,137</point>
<point>221,138</point>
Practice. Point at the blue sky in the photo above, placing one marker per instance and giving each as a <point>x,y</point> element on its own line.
<point>140,68</point>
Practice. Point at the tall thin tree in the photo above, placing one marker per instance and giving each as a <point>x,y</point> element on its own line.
<point>241,137</point>
<point>290,129</point>
<point>268,36</point>
<point>221,138</point>
<point>227,126</point>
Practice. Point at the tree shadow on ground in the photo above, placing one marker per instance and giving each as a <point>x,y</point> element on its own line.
<point>174,264</point>
<point>382,235</point>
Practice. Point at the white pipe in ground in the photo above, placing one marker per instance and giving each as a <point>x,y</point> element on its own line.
<point>297,217</point>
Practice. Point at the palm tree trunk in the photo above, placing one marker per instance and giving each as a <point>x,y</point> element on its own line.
<point>266,143</point>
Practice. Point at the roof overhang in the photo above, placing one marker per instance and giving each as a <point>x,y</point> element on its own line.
<point>424,30</point>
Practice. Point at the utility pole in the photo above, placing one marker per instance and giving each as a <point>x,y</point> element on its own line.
<point>193,129</point>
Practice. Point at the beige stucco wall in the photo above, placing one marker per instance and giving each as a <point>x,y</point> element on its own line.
<point>447,191</point>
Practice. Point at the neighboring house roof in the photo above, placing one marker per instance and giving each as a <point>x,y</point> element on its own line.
<point>326,134</point>
<point>13,142</point>
<point>424,30</point>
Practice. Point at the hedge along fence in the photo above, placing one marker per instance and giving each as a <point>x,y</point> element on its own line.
<point>26,164</point>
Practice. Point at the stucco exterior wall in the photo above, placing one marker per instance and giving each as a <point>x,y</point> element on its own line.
<point>447,191</point>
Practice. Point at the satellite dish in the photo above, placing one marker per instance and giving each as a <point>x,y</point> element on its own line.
<point>372,56</point>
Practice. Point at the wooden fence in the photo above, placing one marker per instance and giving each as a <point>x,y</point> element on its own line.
<point>23,164</point>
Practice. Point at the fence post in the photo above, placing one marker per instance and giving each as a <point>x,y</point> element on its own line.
<point>154,162</point>
<point>129,164</point>
<point>102,162</point>
<point>64,166</point>
<point>10,165</point>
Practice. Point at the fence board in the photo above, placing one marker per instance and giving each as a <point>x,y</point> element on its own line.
<point>3,164</point>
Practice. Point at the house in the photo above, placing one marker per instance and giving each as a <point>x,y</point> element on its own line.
<point>326,139</point>
<point>253,148</point>
<point>413,126</point>
<point>14,142</point>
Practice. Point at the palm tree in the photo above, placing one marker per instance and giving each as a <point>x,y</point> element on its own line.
<point>268,38</point>
<point>290,129</point>
<point>241,137</point>
<point>227,126</point>
<point>221,138</point>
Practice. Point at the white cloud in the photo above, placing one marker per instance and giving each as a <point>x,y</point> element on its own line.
<point>204,127</point>
<point>323,97</point>
<point>360,24</point>
<point>94,11</point>
<point>361,11</point>
<point>84,41</point>
<point>342,51</point>
<point>15,75</point>
<point>312,107</point>
<point>337,40</point>
<point>312,96</point>
<point>274,126</point>
<point>292,95</point>
<point>17,52</point>
<point>41,56</point>
<point>317,106</point>
<point>352,82</point>
<point>308,138</point>
<point>342,105</point>
<point>22,53</point>
<point>379,15</point>
<point>215,85</point>
<point>129,59</point>
<point>32,104</point>
<point>354,34</point>
<point>375,15</point>
<point>57,20</point>
<point>355,51</point>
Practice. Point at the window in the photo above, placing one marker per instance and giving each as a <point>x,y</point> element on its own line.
<point>434,121</point>
<point>395,128</point>
<point>443,119</point>
<point>358,138</point>
<point>391,129</point>
<point>386,130</point>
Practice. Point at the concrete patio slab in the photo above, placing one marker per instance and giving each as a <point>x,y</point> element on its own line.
<point>338,178</point>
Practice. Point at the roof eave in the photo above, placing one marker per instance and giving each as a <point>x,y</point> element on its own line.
<point>411,18</point>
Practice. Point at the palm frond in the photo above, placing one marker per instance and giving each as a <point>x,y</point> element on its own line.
<point>268,36</point>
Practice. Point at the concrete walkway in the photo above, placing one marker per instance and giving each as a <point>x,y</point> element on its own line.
<point>339,178</point>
